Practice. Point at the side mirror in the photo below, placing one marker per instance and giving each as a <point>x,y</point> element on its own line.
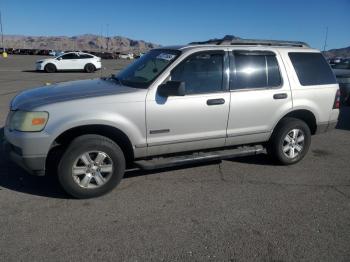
<point>59,58</point>
<point>172,88</point>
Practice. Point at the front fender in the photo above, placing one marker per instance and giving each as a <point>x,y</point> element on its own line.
<point>135,134</point>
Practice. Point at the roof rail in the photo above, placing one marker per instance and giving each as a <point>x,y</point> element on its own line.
<point>253,42</point>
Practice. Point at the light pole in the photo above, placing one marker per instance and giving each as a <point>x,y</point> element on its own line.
<point>2,34</point>
<point>107,37</point>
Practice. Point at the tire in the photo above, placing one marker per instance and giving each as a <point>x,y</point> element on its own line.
<point>50,68</point>
<point>290,141</point>
<point>80,177</point>
<point>89,68</point>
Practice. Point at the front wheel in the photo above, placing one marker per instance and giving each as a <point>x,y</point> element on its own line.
<point>290,141</point>
<point>91,166</point>
<point>50,68</point>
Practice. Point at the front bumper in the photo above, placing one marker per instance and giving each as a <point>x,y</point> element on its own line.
<point>28,150</point>
<point>33,165</point>
<point>39,66</point>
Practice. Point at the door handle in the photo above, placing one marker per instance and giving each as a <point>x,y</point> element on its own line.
<point>280,96</point>
<point>217,101</point>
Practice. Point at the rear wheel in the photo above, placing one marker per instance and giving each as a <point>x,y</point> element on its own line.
<point>290,141</point>
<point>50,68</point>
<point>91,166</point>
<point>89,68</point>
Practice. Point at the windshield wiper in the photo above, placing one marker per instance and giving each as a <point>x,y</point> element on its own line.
<point>117,79</point>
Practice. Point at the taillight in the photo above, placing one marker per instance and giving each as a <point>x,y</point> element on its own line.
<point>337,100</point>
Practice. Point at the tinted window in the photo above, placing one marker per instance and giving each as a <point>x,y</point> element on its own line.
<point>201,72</point>
<point>69,56</point>
<point>85,56</point>
<point>254,70</point>
<point>312,69</point>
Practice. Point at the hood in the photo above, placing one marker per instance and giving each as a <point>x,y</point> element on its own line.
<point>67,91</point>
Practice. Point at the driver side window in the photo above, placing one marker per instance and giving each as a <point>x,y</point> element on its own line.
<point>202,72</point>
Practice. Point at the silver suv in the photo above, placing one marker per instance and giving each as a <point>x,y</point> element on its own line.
<point>173,106</point>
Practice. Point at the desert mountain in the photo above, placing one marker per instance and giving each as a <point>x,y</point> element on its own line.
<point>88,42</point>
<point>340,52</point>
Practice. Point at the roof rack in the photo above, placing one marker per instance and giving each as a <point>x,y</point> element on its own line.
<point>253,42</point>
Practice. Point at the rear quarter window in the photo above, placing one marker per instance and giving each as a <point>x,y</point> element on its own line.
<point>312,68</point>
<point>85,56</point>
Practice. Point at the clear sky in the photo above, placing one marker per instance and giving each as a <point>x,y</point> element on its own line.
<point>183,21</point>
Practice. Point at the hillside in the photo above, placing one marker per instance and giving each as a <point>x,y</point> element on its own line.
<point>121,44</point>
<point>82,42</point>
<point>340,52</point>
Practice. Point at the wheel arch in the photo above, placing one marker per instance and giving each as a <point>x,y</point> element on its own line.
<point>50,63</point>
<point>305,115</point>
<point>110,132</point>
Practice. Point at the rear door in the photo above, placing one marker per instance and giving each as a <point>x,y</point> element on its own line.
<point>260,95</point>
<point>83,59</point>
<point>69,61</point>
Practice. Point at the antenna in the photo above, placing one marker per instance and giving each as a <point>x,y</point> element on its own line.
<point>325,40</point>
<point>101,71</point>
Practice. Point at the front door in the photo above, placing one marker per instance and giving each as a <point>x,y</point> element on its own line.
<point>197,120</point>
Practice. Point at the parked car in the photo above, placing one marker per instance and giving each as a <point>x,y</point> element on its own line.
<point>138,56</point>
<point>127,56</point>
<point>70,61</point>
<point>175,106</point>
<point>335,60</point>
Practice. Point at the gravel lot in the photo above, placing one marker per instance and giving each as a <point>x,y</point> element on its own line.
<point>246,209</point>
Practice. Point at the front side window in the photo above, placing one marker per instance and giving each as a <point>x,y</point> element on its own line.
<point>201,72</point>
<point>147,68</point>
<point>254,69</point>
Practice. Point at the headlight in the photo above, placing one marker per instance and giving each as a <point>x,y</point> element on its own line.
<point>28,121</point>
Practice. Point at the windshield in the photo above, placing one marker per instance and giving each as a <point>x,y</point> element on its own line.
<point>147,68</point>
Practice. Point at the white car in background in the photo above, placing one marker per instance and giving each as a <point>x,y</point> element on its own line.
<point>70,61</point>
<point>129,56</point>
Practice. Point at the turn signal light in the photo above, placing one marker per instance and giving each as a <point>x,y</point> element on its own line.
<point>38,121</point>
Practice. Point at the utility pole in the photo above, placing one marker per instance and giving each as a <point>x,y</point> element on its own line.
<point>2,33</point>
<point>101,40</point>
<point>325,40</point>
<point>107,37</point>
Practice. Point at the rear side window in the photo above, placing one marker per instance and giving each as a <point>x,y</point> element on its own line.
<point>85,56</point>
<point>312,69</point>
<point>254,69</point>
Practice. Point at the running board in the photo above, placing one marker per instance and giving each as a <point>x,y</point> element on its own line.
<point>198,157</point>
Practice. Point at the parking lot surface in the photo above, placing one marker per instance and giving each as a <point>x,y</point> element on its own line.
<point>245,209</point>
